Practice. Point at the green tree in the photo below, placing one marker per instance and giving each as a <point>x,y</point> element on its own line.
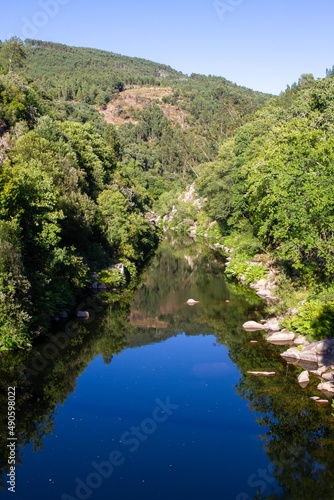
<point>13,54</point>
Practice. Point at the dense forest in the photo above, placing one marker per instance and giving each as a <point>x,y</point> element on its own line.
<point>80,193</point>
<point>272,182</point>
<point>76,194</point>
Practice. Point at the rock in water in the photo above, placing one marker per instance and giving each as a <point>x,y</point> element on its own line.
<point>252,326</point>
<point>327,388</point>
<point>192,302</point>
<point>304,379</point>
<point>262,374</point>
<point>83,315</point>
<point>281,338</point>
<point>272,324</point>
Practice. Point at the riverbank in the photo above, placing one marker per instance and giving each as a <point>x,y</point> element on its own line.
<point>313,357</point>
<point>286,307</point>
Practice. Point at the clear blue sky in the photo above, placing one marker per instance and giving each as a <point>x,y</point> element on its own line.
<point>261,44</point>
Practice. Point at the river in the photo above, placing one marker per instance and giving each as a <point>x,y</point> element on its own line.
<point>151,400</point>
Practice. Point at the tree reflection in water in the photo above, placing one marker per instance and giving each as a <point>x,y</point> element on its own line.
<point>300,441</point>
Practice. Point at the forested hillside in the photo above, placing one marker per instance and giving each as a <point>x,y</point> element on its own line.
<point>273,182</point>
<point>76,192</point>
<point>94,143</point>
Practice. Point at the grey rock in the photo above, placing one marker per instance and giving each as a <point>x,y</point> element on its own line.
<point>262,374</point>
<point>281,338</point>
<point>304,378</point>
<point>327,388</point>
<point>292,355</point>
<point>319,372</point>
<point>308,356</point>
<point>301,340</point>
<point>273,325</point>
<point>192,302</point>
<point>264,294</point>
<point>252,326</point>
<point>328,376</point>
<point>83,314</point>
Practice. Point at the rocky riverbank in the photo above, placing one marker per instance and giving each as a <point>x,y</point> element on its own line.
<point>316,358</point>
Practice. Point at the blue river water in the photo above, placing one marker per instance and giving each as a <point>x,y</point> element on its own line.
<point>202,443</point>
<point>152,401</point>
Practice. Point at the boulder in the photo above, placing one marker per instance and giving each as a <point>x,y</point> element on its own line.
<point>328,376</point>
<point>324,347</point>
<point>315,398</point>
<point>304,379</point>
<point>322,401</point>
<point>265,294</point>
<point>319,372</point>
<point>292,355</point>
<point>281,338</point>
<point>309,356</point>
<point>262,283</point>
<point>301,340</point>
<point>192,302</point>
<point>327,388</point>
<point>272,324</point>
<point>252,326</point>
<point>83,314</point>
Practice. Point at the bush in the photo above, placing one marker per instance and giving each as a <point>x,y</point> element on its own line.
<point>315,319</point>
<point>254,273</point>
<point>112,278</point>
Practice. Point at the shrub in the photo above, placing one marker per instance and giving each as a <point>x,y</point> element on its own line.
<point>254,273</point>
<point>112,278</point>
<point>315,319</point>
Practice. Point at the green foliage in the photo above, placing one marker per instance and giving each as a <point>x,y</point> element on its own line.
<point>130,234</point>
<point>93,155</point>
<point>277,173</point>
<point>53,230</point>
<point>315,319</point>
<point>80,192</point>
<point>113,278</point>
<point>254,273</point>
<point>236,268</point>
<point>14,290</point>
<point>12,54</point>
<point>18,101</point>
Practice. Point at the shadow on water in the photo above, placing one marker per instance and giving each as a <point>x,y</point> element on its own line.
<point>298,435</point>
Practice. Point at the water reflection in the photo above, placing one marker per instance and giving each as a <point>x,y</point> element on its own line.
<point>298,435</point>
